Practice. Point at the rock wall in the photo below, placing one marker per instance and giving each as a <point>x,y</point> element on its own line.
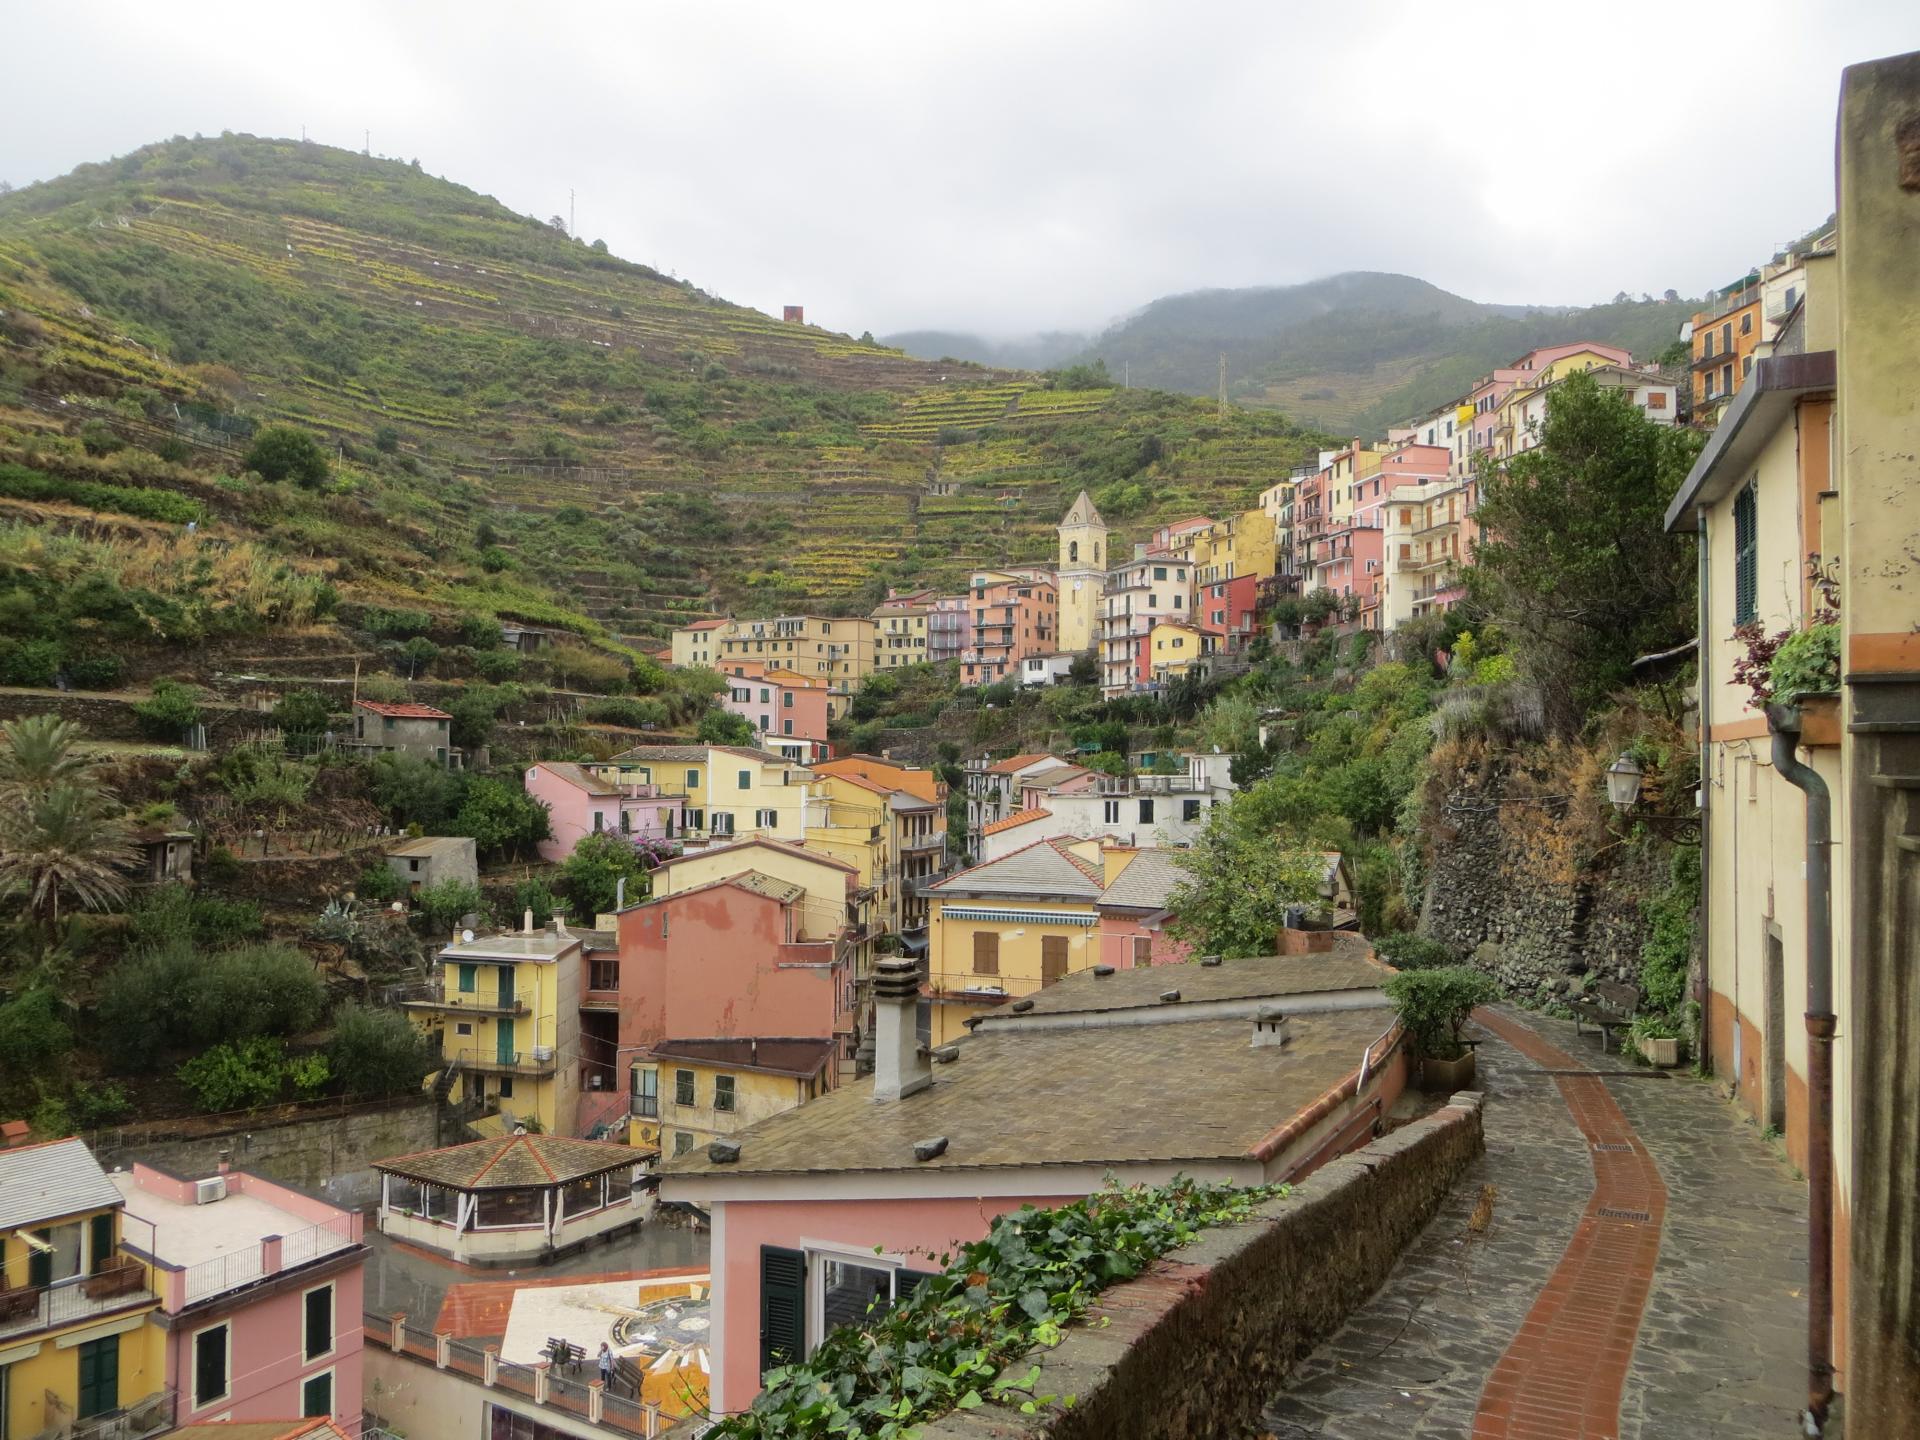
<point>1500,897</point>
<point>1198,1342</point>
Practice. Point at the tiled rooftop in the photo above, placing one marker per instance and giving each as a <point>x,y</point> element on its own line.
<point>1015,820</point>
<point>1275,976</point>
<point>512,1161</point>
<point>1039,871</point>
<point>777,1055</point>
<point>1177,1093</point>
<point>1146,883</point>
<point>406,710</point>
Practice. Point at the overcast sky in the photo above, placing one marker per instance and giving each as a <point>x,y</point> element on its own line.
<point>1007,168</point>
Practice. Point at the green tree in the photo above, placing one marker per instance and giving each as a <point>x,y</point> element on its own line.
<point>1574,562</point>
<point>302,712</point>
<point>474,712</point>
<point>443,904</point>
<point>593,872</point>
<point>412,791</point>
<point>67,842</point>
<point>723,727</point>
<point>282,452</point>
<point>33,1036</point>
<point>171,711</point>
<point>377,1052</point>
<point>502,819</point>
<point>239,1076</point>
<point>1238,886</point>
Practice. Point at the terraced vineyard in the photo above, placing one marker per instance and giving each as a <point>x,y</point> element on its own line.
<point>525,422</point>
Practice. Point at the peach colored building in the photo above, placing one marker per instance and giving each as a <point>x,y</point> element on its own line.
<point>1016,613</point>
<point>788,710</point>
<point>827,1214</point>
<point>1132,928</point>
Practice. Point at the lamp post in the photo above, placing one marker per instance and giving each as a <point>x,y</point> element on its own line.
<point>1624,778</point>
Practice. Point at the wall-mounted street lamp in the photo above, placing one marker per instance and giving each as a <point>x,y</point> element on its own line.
<point>1624,778</point>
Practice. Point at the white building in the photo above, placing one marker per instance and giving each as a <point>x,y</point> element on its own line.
<point>1165,811</point>
<point>1145,589</point>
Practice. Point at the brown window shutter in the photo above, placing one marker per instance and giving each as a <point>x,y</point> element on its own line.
<point>986,952</point>
<point>1053,959</point>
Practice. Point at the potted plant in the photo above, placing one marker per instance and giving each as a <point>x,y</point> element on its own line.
<point>1433,1006</point>
<point>1804,673</point>
<point>1659,1040</point>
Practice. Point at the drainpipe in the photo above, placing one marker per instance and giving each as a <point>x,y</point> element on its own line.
<point>1703,660</point>
<point>1820,1027</point>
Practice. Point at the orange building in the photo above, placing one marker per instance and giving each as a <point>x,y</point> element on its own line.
<point>1016,613</point>
<point>1723,339</point>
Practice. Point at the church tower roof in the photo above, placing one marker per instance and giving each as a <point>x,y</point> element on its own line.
<point>1083,512</point>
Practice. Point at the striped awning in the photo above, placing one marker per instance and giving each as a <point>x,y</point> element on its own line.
<point>1014,917</point>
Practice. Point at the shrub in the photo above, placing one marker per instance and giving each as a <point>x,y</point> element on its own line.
<point>482,632</point>
<point>96,672</point>
<point>386,439</point>
<point>999,694</point>
<point>172,710</point>
<point>445,903</point>
<point>29,662</point>
<point>1667,953</point>
<point>593,872</point>
<point>496,665</point>
<point>1434,1006</point>
<point>1807,663</point>
<point>1405,950</point>
<point>634,714</point>
<point>723,727</point>
<point>32,1034</point>
<point>281,452</point>
<point>419,653</point>
<point>412,791</point>
<point>578,668</point>
<point>93,1106</point>
<point>396,624</point>
<point>302,712</point>
<point>98,439</point>
<point>378,883</point>
<point>473,712</point>
<point>237,1077</point>
<point>536,895</point>
<point>377,1052</point>
<point>174,994</point>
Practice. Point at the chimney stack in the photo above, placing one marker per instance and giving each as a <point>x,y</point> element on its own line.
<point>899,1069</point>
<point>526,921</point>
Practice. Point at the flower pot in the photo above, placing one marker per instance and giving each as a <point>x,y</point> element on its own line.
<point>1447,1076</point>
<point>1663,1053</point>
<point>1819,719</point>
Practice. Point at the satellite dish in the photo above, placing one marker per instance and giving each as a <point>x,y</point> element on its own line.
<point>466,937</point>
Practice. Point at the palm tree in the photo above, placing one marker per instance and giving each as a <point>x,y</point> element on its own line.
<point>42,751</point>
<point>69,839</point>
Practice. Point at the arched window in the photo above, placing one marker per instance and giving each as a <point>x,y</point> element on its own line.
<point>1073,552</point>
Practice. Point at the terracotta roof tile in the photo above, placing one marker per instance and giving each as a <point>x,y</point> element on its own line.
<point>407,710</point>
<point>512,1161</point>
<point>1017,762</point>
<point>1019,817</point>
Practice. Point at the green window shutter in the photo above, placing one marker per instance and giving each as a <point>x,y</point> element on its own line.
<point>99,1376</point>
<point>783,1307</point>
<point>40,1262</point>
<point>905,1282</point>
<point>1746,559</point>
<point>469,979</point>
<point>102,1242</point>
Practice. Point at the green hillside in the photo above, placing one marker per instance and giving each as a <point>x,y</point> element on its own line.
<point>520,421</point>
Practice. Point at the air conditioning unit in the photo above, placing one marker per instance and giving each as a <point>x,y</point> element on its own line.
<point>213,1188</point>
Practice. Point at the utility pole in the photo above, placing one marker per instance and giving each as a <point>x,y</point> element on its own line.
<point>572,228</point>
<point>366,143</point>
<point>1126,374</point>
<point>1223,387</point>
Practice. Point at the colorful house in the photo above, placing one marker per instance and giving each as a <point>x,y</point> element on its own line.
<point>703,1089</point>
<point>1015,614</point>
<point>916,817</point>
<point>262,1288</point>
<point>1173,648</point>
<point>79,1354</point>
<point>728,790</point>
<point>900,635</point>
<point>1226,611</point>
<point>1136,810</point>
<point>1134,909</point>
<point>698,644</point>
<point>831,1213</point>
<point>993,788</point>
<point>581,802</point>
<point>787,710</point>
<point>507,1009</point>
<point>834,649</point>
<point>1138,595</point>
<point>1724,336</point>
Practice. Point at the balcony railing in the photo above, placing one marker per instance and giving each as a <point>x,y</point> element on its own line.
<point>434,995</point>
<point>239,1268</point>
<point>539,1061</point>
<point>151,1415</point>
<point>120,1285</point>
<point>914,844</point>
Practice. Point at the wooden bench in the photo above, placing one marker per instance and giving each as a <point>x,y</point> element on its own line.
<point>1606,1005</point>
<point>565,1352</point>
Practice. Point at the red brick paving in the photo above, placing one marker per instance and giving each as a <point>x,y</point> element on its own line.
<point>1561,1376</point>
<point>480,1308</point>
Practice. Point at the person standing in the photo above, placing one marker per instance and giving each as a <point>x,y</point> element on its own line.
<point>606,1367</point>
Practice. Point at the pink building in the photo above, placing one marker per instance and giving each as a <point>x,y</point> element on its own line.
<point>833,1210</point>
<point>1016,613</point>
<point>580,803</point>
<point>261,1290</point>
<point>1225,612</point>
<point>1132,929</point>
<point>787,710</point>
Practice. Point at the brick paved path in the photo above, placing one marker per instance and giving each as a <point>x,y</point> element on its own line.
<point>1540,1306</point>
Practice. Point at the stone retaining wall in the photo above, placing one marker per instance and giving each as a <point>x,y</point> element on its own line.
<point>1197,1344</point>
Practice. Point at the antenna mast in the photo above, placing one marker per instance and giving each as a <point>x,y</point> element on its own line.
<point>1223,387</point>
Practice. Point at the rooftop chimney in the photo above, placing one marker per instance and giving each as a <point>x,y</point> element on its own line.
<point>899,1069</point>
<point>526,921</point>
<point>1271,1027</point>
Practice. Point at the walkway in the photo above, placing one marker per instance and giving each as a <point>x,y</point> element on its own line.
<point>1627,1262</point>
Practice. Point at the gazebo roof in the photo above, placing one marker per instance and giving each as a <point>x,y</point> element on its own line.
<point>513,1162</point>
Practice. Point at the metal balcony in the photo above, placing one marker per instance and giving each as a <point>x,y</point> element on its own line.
<point>434,995</point>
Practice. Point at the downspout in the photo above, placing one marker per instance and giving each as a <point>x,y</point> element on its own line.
<point>1820,1028</point>
<point>1703,660</point>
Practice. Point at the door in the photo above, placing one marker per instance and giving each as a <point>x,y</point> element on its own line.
<point>99,1376</point>
<point>506,987</point>
<point>100,1243</point>
<point>503,1041</point>
<point>783,1315</point>
<point>1053,958</point>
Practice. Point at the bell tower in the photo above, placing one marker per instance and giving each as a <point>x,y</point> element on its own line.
<point>1083,573</point>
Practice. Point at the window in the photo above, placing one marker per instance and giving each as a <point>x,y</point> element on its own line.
<point>1053,958</point>
<point>683,1087</point>
<point>463,1027</point>
<point>766,696</point>
<point>1746,366</point>
<point>786,699</point>
<point>100,1376</point>
<point>786,727</point>
<point>1726,379</point>
<point>1726,336</point>
<point>1142,950</point>
<point>210,1366</point>
<point>1656,400</point>
<point>1793,298</point>
<point>1706,346</point>
<point>766,819</point>
<point>682,1142</point>
<point>1159,572</point>
<point>723,1093</point>
<point>316,1394</point>
<point>1189,810</point>
<point>1146,810</point>
<point>746,779</point>
<point>643,1083</point>
<point>318,1322</point>
<point>1746,323</point>
<point>986,952</point>
<point>598,821</point>
<point>1110,812</point>
<point>693,781</point>
<point>506,1087</point>
<point>1746,570</point>
<point>1709,385</point>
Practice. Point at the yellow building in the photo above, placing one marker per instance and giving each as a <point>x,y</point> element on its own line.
<point>900,631</point>
<point>836,648</point>
<point>1004,929</point>
<point>508,1010</point>
<point>699,643</point>
<point>1084,560</point>
<point>711,1088</point>
<point>1241,544</point>
<point>1172,649</point>
<point>837,893</point>
<point>75,1342</point>
<point>730,790</point>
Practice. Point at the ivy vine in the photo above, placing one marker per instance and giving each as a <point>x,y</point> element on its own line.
<point>946,1346</point>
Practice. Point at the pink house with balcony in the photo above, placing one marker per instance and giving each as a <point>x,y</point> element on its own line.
<point>261,1289</point>
<point>788,710</point>
<point>1261,1070</point>
<point>580,803</point>
<point>1133,912</point>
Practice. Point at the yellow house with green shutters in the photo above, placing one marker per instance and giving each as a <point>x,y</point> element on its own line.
<point>731,791</point>
<point>1002,930</point>
<point>508,1011</point>
<point>77,1355</point>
